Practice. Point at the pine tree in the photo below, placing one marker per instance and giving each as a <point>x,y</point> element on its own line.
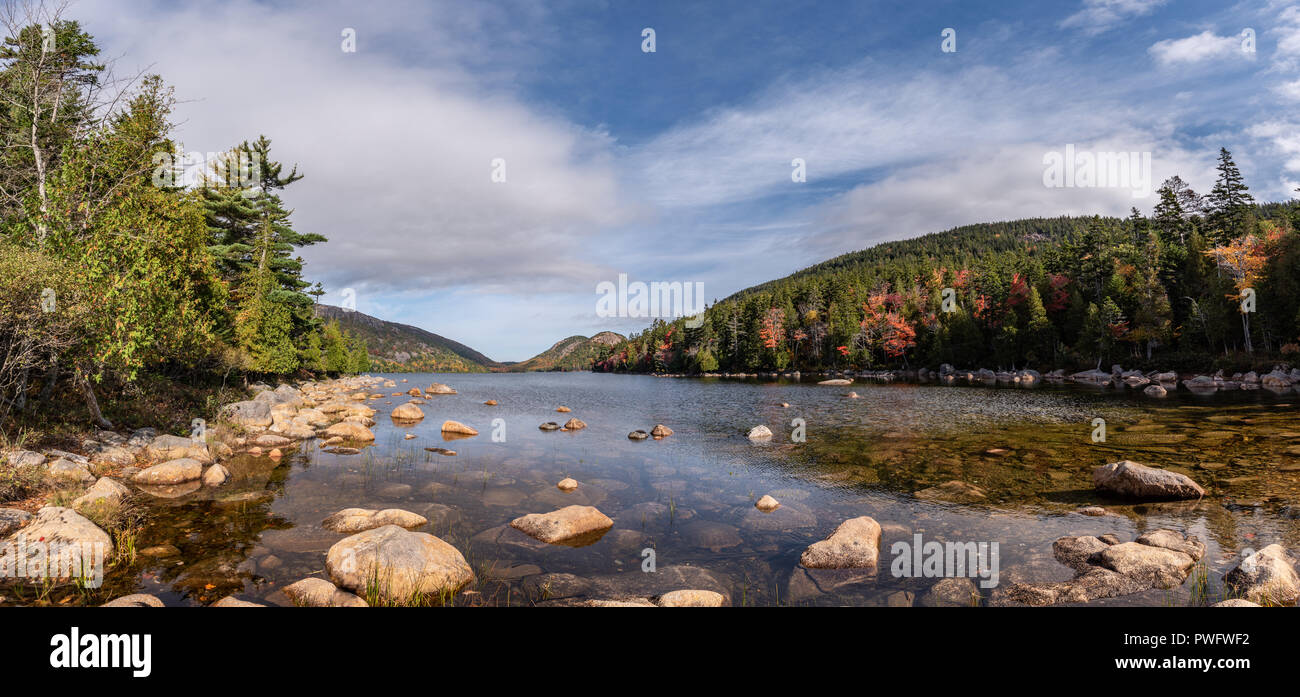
<point>1169,216</point>
<point>1229,201</point>
<point>250,226</point>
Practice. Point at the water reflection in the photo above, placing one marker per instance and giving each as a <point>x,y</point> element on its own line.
<point>690,497</point>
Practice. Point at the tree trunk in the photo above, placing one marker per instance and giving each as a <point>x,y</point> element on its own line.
<point>20,399</point>
<point>1245,329</point>
<point>92,404</point>
<point>51,377</point>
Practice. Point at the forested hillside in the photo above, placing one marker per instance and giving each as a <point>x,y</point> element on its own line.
<point>572,353</point>
<point>402,348</point>
<point>1201,280</point>
<point>114,266</point>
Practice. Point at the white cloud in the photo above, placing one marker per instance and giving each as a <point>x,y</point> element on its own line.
<point>1286,55</point>
<point>1282,136</point>
<point>846,123</point>
<point>1196,48</point>
<point>1097,16</point>
<point>994,184</point>
<point>397,152</point>
<point>1289,90</point>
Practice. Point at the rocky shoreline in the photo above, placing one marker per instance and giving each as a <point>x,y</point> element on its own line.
<point>1280,380</point>
<point>385,560</point>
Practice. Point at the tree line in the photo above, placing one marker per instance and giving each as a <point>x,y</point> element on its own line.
<point>111,265</point>
<point>1202,281</point>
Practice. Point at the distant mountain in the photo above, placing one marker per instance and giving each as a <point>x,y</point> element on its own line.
<point>573,353</point>
<point>402,348</point>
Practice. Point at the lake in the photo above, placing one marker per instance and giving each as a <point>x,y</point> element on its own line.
<point>686,502</point>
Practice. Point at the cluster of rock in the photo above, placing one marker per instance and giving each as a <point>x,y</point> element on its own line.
<point>1106,568</point>
<point>659,432</point>
<point>1153,383</point>
<point>1277,381</point>
<point>1160,559</point>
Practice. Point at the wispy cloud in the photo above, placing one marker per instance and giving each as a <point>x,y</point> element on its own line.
<point>1200,47</point>
<point>1097,16</point>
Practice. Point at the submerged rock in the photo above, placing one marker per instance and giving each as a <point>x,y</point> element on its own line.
<point>710,535</point>
<point>568,525</point>
<point>854,544</point>
<point>661,431</point>
<point>767,504</point>
<point>759,433</point>
<point>567,484</point>
<point>953,492</point>
<point>836,381</point>
<point>952,592</point>
<point>1128,478</point>
<point>638,435</point>
<point>439,388</point>
<point>550,426</point>
<point>574,424</point>
<point>563,409</point>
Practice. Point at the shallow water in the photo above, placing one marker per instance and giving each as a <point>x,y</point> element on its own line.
<point>690,497</point>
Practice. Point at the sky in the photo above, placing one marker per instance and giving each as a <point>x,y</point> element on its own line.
<point>480,168</point>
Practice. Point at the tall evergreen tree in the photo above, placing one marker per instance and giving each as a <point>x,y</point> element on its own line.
<point>1229,201</point>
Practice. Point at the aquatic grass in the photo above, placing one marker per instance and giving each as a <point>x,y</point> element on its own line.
<point>1199,594</point>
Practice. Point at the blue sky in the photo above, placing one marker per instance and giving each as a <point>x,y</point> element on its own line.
<point>676,165</point>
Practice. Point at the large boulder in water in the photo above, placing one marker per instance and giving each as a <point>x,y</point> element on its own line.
<point>855,544</point>
<point>1128,478</point>
<point>407,412</point>
<point>458,428</point>
<point>1265,577</point>
<point>350,431</point>
<point>567,525</point>
<point>401,565</point>
<point>178,471</point>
